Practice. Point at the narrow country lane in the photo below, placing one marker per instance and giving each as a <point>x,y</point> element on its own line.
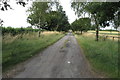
<point>64,59</point>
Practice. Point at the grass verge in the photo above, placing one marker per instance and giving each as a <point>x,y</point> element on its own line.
<point>102,55</point>
<point>21,49</point>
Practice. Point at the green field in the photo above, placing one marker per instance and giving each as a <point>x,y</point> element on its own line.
<point>102,55</point>
<point>16,50</point>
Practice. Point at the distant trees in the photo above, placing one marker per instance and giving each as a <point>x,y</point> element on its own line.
<point>101,13</point>
<point>16,31</point>
<point>63,24</point>
<point>82,24</point>
<point>57,21</point>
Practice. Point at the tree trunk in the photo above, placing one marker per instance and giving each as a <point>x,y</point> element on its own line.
<point>81,31</point>
<point>57,27</point>
<point>97,33</point>
<point>97,29</point>
<point>39,33</point>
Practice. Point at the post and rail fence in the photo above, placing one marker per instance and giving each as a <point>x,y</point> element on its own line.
<point>113,37</point>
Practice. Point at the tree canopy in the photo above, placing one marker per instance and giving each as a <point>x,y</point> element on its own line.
<point>82,24</point>
<point>42,16</point>
<point>38,12</point>
<point>101,13</point>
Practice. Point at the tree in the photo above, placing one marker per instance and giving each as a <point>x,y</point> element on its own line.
<point>75,25</point>
<point>37,15</point>
<point>63,20</point>
<point>82,24</point>
<point>117,20</point>
<point>101,13</point>
<point>38,12</point>
<point>93,27</point>
<point>52,21</point>
<point>42,16</point>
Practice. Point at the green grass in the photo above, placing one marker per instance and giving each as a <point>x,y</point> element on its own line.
<point>21,49</point>
<point>102,55</point>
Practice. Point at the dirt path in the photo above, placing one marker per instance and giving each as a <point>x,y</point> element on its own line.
<point>61,60</point>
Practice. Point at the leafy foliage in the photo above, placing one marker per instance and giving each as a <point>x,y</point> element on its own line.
<point>57,21</point>
<point>100,12</point>
<point>42,16</point>
<point>6,5</point>
<point>38,12</point>
<point>82,24</point>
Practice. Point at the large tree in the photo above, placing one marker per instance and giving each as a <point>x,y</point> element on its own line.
<point>42,16</point>
<point>38,12</point>
<point>63,24</point>
<point>100,12</point>
<point>57,20</point>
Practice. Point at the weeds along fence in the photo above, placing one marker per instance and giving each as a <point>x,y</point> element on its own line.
<point>16,31</point>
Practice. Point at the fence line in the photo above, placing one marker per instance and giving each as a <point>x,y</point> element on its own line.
<point>113,37</point>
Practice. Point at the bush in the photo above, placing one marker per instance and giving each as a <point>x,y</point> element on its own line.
<point>15,31</point>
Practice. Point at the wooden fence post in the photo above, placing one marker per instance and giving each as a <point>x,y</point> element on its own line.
<point>104,38</point>
<point>113,38</point>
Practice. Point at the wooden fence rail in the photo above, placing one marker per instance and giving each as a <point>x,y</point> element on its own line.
<point>113,37</point>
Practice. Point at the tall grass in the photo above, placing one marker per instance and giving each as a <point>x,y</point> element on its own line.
<point>21,49</point>
<point>102,55</point>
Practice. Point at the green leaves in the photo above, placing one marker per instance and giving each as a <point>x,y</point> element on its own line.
<point>38,12</point>
<point>42,16</point>
<point>82,24</point>
<point>15,31</point>
<point>102,11</point>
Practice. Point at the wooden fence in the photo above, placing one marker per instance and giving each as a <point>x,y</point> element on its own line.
<point>113,37</point>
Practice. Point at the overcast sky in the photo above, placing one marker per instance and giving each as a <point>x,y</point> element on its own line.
<point>18,16</point>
